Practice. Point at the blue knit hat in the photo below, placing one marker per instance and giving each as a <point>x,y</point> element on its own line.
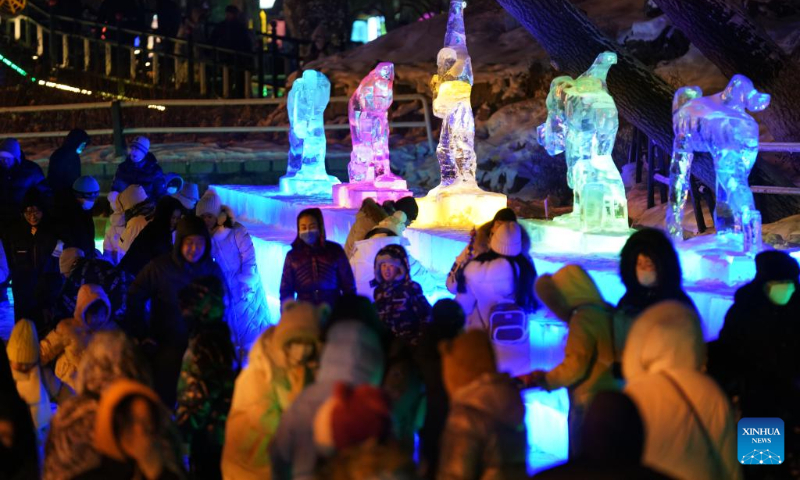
<point>11,145</point>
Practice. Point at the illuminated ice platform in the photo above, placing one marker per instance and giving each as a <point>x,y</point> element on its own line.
<point>712,278</point>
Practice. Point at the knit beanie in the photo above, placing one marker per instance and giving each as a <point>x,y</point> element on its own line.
<point>209,203</point>
<point>141,143</point>
<point>130,197</point>
<point>409,206</point>
<point>69,257</point>
<point>188,196</point>
<point>86,185</point>
<point>507,240</point>
<point>300,321</point>
<point>351,416</point>
<point>773,265</point>
<point>23,344</point>
<point>11,146</point>
<point>466,358</point>
<point>105,439</point>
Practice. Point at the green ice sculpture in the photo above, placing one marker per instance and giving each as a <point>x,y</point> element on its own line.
<point>582,122</point>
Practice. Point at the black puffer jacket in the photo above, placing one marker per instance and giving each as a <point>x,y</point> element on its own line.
<point>146,173</point>
<point>74,225</point>
<point>155,239</point>
<point>65,163</point>
<point>319,273</point>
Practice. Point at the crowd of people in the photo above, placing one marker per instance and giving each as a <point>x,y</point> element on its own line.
<point>156,358</point>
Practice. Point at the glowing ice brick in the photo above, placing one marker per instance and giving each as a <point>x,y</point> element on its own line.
<point>546,424</point>
<point>305,174</point>
<point>369,169</point>
<point>457,201</point>
<point>718,124</point>
<point>582,121</point>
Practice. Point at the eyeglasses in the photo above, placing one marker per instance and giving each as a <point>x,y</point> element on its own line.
<point>32,211</point>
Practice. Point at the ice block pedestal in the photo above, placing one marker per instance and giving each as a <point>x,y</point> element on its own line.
<point>459,208</point>
<point>301,185</point>
<point>561,237</point>
<point>351,195</point>
<point>717,258</point>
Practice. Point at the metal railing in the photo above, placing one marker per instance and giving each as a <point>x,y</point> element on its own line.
<point>106,51</point>
<point>118,130</point>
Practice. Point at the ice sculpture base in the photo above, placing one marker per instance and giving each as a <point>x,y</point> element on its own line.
<point>296,185</point>
<point>713,258</point>
<point>567,237</point>
<point>351,195</point>
<point>458,207</point>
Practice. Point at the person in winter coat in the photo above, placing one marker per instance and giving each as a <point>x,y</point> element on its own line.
<point>32,384</point>
<point>371,214</point>
<point>689,425</point>
<point>368,461</point>
<point>207,376</point>
<point>29,244</point>
<point>19,459</point>
<point>352,354</point>
<point>281,365</point>
<point>120,202</point>
<point>572,296</point>
<point>17,176</point>
<point>79,271</point>
<point>129,432</point>
<point>401,304</point>
<point>160,281</point>
<point>155,238</point>
<point>612,443</point>
<point>504,274</point>
<point>65,163</point>
<point>137,217</point>
<point>65,345</point>
<point>651,273</point>
<point>447,322</point>
<point>73,215</point>
<point>315,270</point>
<point>479,244</point>
<point>70,449</point>
<point>757,356</point>
<point>140,168</point>
<point>234,252</point>
<point>484,436</point>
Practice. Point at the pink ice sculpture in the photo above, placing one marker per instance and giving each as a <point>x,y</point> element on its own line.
<point>369,171</point>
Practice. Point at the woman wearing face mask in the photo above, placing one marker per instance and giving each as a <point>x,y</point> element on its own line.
<point>73,215</point>
<point>282,363</point>
<point>651,273</point>
<point>160,281</point>
<point>757,355</point>
<point>315,269</point>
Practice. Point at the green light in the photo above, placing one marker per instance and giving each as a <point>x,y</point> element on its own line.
<point>13,66</point>
<point>33,79</point>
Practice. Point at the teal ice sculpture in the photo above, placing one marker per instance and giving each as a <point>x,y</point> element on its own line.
<point>305,174</point>
<point>718,124</point>
<point>582,122</point>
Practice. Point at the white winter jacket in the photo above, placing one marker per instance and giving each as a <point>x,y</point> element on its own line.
<point>233,250</point>
<point>116,225</point>
<point>132,230</point>
<point>662,362</point>
<point>487,284</point>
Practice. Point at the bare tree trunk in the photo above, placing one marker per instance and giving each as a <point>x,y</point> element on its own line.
<point>644,99</point>
<point>735,44</point>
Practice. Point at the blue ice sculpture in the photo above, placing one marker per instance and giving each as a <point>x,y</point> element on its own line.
<point>718,124</point>
<point>582,121</point>
<point>306,104</point>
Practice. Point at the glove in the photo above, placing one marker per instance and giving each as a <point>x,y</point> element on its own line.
<point>530,380</point>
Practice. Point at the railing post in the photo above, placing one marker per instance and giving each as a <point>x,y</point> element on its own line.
<point>428,129</point>
<point>202,80</point>
<point>87,55</point>
<point>17,28</point>
<point>120,148</point>
<point>132,72</point>
<point>190,65</point>
<point>39,41</point>
<point>226,82</point>
<point>65,50</point>
<point>651,172</point>
<point>214,63</point>
<point>248,84</point>
<point>107,47</point>
<point>274,53</point>
<point>118,69</point>
<point>51,39</point>
<point>260,64</point>
<point>155,68</point>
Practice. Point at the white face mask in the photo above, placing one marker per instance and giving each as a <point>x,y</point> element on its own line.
<point>172,190</point>
<point>646,278</point>
<point>87,204</point>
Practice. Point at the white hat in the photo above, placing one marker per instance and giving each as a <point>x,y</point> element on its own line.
<point>507,239</point>
<point>188,196</point>
<point>209,203</point>
<point>131,196</point>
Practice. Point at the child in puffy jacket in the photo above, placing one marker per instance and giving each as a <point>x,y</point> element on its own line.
<point>401,305</point>
<point>70,338</point>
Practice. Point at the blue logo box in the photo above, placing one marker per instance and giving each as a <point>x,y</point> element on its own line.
<point>761,441</point>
